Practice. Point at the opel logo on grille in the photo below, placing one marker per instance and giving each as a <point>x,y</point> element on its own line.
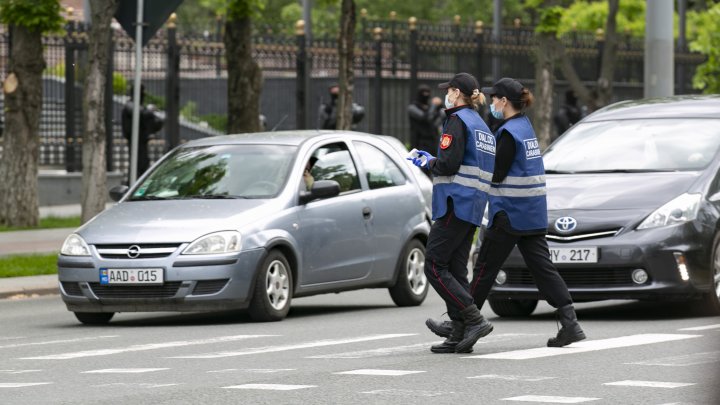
<point>133,251</point>
<point>565,224</point>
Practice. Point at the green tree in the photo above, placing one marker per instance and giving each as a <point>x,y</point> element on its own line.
<point>705,38</point>
<point>346,54</point>
<point>27,20</point>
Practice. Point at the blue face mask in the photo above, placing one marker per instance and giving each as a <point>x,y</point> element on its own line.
<point>495,113</point>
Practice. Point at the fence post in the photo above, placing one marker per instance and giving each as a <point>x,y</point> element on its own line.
<point>172,86</point>
<point>393,17</point>
<point>300,76</point>
<point>109,130</point>
<point>377,34</point>
<point>479,50</point>
<point>600,44</point>
<point>218,39</point>
<point>412,26</point>
<point>363,40</point>
<point>456,29</point>
<point>70,133</point>
<point>517,22</point>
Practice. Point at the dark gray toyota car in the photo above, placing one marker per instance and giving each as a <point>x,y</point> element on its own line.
<point>253,221</point>
<point>633,207</point>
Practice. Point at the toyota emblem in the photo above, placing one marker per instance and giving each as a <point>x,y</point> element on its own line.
<point>133,251</point>
<point>565,224</point>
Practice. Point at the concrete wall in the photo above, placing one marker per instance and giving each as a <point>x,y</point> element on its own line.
<point>56,187</point>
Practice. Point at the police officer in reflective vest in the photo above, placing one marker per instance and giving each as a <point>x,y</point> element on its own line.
<point>517,211</point>
<point>461,179</point>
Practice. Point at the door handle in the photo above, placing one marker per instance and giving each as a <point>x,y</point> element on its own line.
<point>367,212</point>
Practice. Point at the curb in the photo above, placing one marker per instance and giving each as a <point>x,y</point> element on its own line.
<point>29,292</point>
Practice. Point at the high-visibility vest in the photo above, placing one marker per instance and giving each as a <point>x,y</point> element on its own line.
<point>522,194</point>
<point>469,187</point>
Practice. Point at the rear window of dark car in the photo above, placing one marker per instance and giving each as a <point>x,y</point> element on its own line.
<point>636,145</point>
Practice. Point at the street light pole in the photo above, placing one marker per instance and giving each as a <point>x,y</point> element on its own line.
<point>659,75</point>
<point>136,94</point>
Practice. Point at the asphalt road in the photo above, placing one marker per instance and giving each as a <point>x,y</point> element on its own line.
<point>354,348</point>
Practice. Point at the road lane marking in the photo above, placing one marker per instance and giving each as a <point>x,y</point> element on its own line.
<point>124,370</point>
<point>511,377</point>
<point>139,348</point>
<point>390,373</point>
<point>21,385</point>
<point>51,342</point>
<point>550,399</point>
<point>682,361</point>
<point>650,384</point>
<point>409,393</point>
<point>18,371</point>
<point>307,345</point>
<point>706,327</point>
<point>586,346</point>
<point>253,370</point>
<point>138,385</point>
<point>274,387</point>
<point>385,351</point>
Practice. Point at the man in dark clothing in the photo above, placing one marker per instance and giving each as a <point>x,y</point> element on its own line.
<point>150,123</point>
<point>425,119</point>
<point>568,114</point>
<point>328,114</point>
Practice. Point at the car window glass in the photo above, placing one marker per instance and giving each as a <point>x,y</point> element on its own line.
<point>380,170</point>
<point>219,171</point>
<point>335,163</point>
<point>636,145</point>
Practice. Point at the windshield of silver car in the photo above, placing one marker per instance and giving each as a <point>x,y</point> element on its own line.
<point>639,145</point>
<point>219,172</point>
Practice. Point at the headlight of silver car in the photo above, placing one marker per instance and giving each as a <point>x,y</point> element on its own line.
<point>74,245</point>
<point>681,209</point>
<point>215,243</point>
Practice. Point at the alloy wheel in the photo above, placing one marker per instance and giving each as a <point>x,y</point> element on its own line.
<point>277,284</point>
<point>416,271</point>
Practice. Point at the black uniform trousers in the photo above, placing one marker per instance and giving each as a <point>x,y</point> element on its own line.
<point>446,259</point>
<point>497,244</point>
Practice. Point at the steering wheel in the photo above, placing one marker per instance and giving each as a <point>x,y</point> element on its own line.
<point>263,185</point>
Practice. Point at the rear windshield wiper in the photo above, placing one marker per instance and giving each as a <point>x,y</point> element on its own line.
<point>214,197</point>
<point>147,198</point>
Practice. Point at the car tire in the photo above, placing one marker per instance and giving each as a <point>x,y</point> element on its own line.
<point>513,308</point>
<point>411,286</point>
<point>273,289</point>
<point>710,303</point>
<point>94,318</point>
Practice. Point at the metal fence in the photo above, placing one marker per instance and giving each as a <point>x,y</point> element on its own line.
<point>391,59</point>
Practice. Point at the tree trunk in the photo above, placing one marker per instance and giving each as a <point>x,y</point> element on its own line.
<point>346,47</point>
<point>94,191</point>
<point>609,55</point>
<point>544,87</point>
<point>21,141</point>
<point>244,77</point>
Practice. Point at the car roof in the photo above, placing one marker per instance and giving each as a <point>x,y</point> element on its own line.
<point>689,106</point>
<point>292,137</point>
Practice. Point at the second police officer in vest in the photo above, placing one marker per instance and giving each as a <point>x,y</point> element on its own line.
<point>517,211</point>
<point>461,179</point>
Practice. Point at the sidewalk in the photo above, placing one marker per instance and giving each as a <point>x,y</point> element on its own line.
<point>41,241</point>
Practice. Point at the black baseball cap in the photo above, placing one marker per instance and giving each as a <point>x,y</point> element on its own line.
<point>505,87</point>
<point>463,81</point>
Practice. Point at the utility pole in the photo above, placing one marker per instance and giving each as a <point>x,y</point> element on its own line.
<point>659,54</point>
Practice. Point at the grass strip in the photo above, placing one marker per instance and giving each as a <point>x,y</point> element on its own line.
<point>48,223</point>
<point>28,265</point>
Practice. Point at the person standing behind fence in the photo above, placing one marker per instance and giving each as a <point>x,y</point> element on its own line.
<point>150,123</point>
<point>328,113</point>
<point>425,119</point>
<point>461,175</point>
<point>568,114</point>
<point>517,210</point>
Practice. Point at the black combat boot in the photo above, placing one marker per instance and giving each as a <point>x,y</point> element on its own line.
<point>440,328</point>
<point>457,331</point>
<point>570,331</point>
<point>476,326</point>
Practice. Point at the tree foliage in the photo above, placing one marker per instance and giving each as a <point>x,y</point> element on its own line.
<point>706,41</point>
<point>35,15</point>
<point>588,16</point>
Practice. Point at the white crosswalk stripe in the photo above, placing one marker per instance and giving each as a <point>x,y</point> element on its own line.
<point>511,377</point>
<point>272,387</point>
<point>698,328</point>
<point>124,370</point>
<point>650,384</point>
<point>392,373</point>
<point>22,385</point>
<point>586,346</point>
<point>683,361</point>
<point>550,399</point>
<point>306,345</point>
<point>52,342</point>
<point>139,348</point>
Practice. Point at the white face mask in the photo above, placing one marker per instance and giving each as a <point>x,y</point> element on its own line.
<point>449,104</point>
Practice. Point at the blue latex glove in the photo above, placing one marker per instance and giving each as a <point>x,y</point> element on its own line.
<point>423,159</point>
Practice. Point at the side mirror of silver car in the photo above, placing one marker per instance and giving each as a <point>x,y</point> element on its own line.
<point>117,192</point>
<point>320,189</point>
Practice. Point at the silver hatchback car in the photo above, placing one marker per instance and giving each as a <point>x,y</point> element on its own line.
<point>252,221</point>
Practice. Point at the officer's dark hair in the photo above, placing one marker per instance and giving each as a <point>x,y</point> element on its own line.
<point>526,100</point>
